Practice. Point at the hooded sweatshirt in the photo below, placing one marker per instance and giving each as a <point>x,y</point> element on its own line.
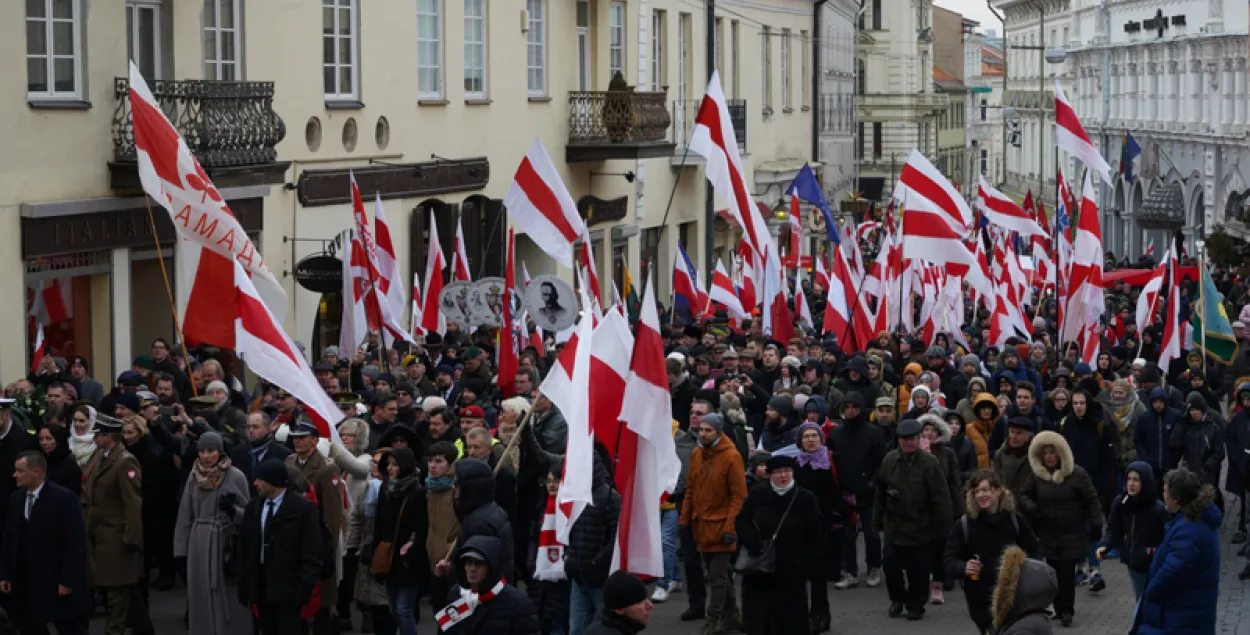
<point>1137,522</point>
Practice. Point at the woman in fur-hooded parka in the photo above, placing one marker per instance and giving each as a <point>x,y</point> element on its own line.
<point>1025,588</point>
<point>1061,501</point>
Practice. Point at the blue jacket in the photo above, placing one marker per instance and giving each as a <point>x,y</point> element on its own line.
<point>1184,581</point>
<point>1022,373</point>
<point>1152,436</point>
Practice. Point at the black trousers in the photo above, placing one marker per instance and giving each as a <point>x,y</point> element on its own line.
<point>696,591</point>
<point>830,570</point>
<point>907,574</point>
<point>280,618</point>
<point>1065,575</point>
<point>63,627</point>
<point>347,586</point>
<point>937,568</point>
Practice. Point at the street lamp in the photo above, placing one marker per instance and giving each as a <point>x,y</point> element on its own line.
<point>1050,56</point>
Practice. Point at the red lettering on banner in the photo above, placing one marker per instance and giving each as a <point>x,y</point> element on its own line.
<point>246,256</point>
<point>184,215</point>
<point>204,229</point>
<point>228,239</point>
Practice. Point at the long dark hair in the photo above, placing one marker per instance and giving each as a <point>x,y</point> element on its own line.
<point>61,434</point>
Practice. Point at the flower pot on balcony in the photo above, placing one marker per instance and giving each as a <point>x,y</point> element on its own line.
<point>618,112</point>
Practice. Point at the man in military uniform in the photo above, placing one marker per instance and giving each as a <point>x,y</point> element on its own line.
<point>322,477</point>
<point>114,524</point>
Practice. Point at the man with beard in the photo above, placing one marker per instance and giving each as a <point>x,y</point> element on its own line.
<point>884,415</point>
<point>858,448</point>
<point>442,427</point>
<point>260,446</point>
<point>1025,406</point>
<point>445,383</point>
<point>780,425</point>
<point>1011,462</point>
<point>857,382</point>
<point>385,413</point>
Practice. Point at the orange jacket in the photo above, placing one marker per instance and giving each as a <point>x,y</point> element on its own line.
<point>716,487</point>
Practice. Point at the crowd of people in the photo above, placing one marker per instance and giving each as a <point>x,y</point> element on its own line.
<point>1017,474</point>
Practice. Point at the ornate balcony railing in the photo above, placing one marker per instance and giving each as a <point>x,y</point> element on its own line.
<point>685,111</point>
<point>617,116</point>
<point>225,124</point>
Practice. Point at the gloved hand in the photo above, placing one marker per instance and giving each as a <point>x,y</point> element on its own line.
<point>728,538</point>
<point>225,503</point>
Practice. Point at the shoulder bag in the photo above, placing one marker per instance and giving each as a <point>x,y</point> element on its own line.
<point>381,564</point>
<point>765,562</point>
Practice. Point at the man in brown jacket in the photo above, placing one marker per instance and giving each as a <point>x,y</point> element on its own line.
<point>444,525</point>
<point>114,526</point>
<point>716,487</point>
<point>323,477</point>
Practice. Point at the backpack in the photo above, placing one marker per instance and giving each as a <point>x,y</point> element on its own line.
<point>963,525</point>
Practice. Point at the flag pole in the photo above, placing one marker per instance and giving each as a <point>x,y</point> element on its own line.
<point>1202,302</point>
<point>169,293</point>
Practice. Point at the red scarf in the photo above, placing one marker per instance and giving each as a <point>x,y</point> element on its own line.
<point>549,562</point>
<point>462,608</point>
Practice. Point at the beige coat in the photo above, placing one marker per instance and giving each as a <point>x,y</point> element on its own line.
<point>114,522</point>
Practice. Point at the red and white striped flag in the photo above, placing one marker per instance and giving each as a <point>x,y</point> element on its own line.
<point>508,362</point>
<point>936,221</point>
<point>646,411</point>
<point>209,235</point>
<point>389,281</point>
<point>1173,329</point>
<point>748,288</point>
<point>53,302</point>
<point>353,323</point>
<point>370,287</point>
<point>591,276</point>
<point>567,385</point>
<point>41,346</point>
<point>1150,249</point>
<point>1002,211</point>
<point>460,260</point>
<point>416,329</point>
<point>1085,297</point>
<point>1147,301</point>
<point>723,293</point>
<point>1071,138</point>
<point>713,138</point>
<point>432,318</point>
<point>542,207</point>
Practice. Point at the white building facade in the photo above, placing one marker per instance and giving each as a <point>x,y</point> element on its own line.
<point>835,114</point>
<point>984,101</point>
<point>1173,76</point>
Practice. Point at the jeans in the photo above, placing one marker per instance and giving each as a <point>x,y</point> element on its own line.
<point>403,601</point>
<point>872,542</point>
<point>1091,555</point>
<point>668,536</point>
<point>585,602</point>
<point>557,628</point>
<point>914,562</point>
<point>1138,578</point>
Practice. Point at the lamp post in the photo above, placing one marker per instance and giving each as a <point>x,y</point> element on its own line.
<point>1052,56</point>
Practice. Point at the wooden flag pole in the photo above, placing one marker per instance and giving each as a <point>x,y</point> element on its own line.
<point>169,292</point>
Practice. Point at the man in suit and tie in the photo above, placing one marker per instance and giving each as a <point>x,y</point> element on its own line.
<point>43,568</point>
<point>282,551</point>
<point>260,446</point>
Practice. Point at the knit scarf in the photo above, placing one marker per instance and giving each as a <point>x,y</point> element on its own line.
<point>82,446</point>
<point>440,483</point>
<point>1121,409</point>
<point>549,562</point>
<point>818,459</point>
<point>209,478</point>
<point>460,609</point>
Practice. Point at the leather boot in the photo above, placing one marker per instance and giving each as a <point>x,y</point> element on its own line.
<point>731,621</point>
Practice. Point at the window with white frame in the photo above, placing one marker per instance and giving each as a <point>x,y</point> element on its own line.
<point>536,48</point>
<point>768,71</point>
<point>143,36</point>
<point>54,49</point>
<point>475,49</point>
<point>803,41</point>
<point>657,50</point>
<point>338,35</point>
<point>684,36</point>
<point>430,48</point>
<point>223,40</point>
<point>616,39</point>
<point>785,69</point>
<point>720,49</point>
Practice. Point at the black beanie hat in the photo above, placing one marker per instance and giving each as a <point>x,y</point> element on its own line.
<point>623,589</point>
<point>782,404</point>
<point>272,471</point>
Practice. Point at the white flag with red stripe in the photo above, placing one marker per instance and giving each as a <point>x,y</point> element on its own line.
<point>568,387</point>
<point>724,294</point>
<point>713,138</point>
<point>1173,330</point>
<point>1147,301</point>
<point>1002,211</point>
<point>647,414</point>
<point>370,286</point>
<point>389,281</point>
<point>748,287</point>
<point>936,221</point>
<point>1085,295</point>
<point>1150,249</point>
<point>270,353</point>
<point>542,207</point>
<point>417,307</point>
<point>209,234</point>
<point>432,318</point>
<point>1071,138</point>
<point>41,345</point>
<point>53,302</point>
<point>353,323</point>
<point>460,263</point>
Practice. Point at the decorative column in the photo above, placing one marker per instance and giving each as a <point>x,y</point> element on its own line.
<point>1195,92</point>
<point>1174,92</point>
<point>1154,114</point>
<point>1226,89</point>
<point>1116,103</point>
<point>1239,80</point>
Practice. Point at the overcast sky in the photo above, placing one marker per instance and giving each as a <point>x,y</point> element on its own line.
<point>973,9</point>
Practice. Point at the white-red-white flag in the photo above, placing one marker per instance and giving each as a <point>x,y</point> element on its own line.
<point>542,207</point>
<point>647,414</point>
<point>1147,301</point>
<point>568,387</point>
<point>460,264</point>
<point>389,282</point>
<point>1002,211</point>
<point>269,352</point>
<point>1085,304</point>
<point>723,293</point>
<point>748,287</point>
<point>1173,330</point>
<point>1150,249</point>
<point>936,221</point>
<point>53,302</point>
<point>41,345</point>
<point>370,288</point>
<point>417,307</point>
<point>923,188</point>
<point>713,138</point>
<point>209,235</point>
<point>432,318</point>
<point>353,323</point>
<point>508,362</point>
<point>1070,136</point>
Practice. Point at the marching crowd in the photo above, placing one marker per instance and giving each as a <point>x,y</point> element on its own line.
<point>1017,474</point>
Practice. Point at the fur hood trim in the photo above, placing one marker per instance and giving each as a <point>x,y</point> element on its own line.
<point>1198,506</point>
<point>943,428</point>
<point>1008,584</point>
<point>1066,462</point>
<point>1006,504</point>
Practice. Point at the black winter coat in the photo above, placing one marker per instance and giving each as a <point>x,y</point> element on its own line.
<point>985,536</point>
<point>965,455</point>
<point>293,544</point>
<point>1201,445</point>
<point>478,513</point>
<point>412,568</point>
<point>1237,443</point>
<point>858,448</point>
<point>15,442</point>
<point>777,603</point>
<point>550,598</point>
<point>1093,440</point>
<point>510,612</point>
<point>614,624</point>
<point>824,485</point>
<point>241,457</point>
<point>54,554</point>
<point>64,471</point>
<point>1152,438</point>
<point>1137,523</point>
<point>588,558</point>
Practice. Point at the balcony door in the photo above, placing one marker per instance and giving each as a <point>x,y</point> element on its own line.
<point>143,36</point>
<point>583,45</point>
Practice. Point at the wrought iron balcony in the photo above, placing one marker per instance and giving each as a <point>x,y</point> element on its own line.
<point>619,123</point>
<point>685,111</point>
<point>230,127</point>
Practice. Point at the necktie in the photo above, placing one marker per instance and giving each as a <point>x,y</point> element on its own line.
<point>30,503</point>
<point>269,511</point>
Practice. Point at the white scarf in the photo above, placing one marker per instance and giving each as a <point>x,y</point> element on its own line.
<point>83,446</point>
<point>460,609</point>
<point>549,562</point>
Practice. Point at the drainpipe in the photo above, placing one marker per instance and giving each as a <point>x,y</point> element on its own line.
<point>1002,108</point>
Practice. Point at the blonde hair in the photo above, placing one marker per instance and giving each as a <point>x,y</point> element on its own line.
<point>138,422</point>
